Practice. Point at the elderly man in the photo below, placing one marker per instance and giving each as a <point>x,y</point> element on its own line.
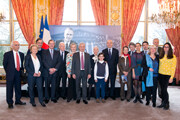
<point>159,49</point>
<point>93,59</point>
<point>156,43</point>
<point>62,72</point>
<point>13,65</point>
<point>111,56</point>
<point>81,71</point>
<point>132,47</point>
<point>68,35</point>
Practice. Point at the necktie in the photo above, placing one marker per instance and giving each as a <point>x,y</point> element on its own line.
<point>51,54</point>
<point>82,61</point>
<point>110,53</point>
<point>66,46</point>
<point>62,55</point>
<point>17,62</point>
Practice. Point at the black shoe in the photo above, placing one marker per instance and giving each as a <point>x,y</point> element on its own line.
<point>68,100</point>
<point>88,98</point>
<point>106,97</point>
<point>54,100</point>
<point>42,104</point>
<point>122,99</point>
<point>128,100</point>
<point>160,106</point>
<point>166,107</point>
<point>10,106</point>
<point>147,103</point>
<point>135,101</point>
<point>140,101</point>
<point>154,105</point>
<point>85,102</point>
<point>33,104</point>
<point>113,98</point>
<point>20,103</point>
<point>46,101</point>
<point>78,101</point>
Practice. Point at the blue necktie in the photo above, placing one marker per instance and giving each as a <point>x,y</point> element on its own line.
<point>110,54</point>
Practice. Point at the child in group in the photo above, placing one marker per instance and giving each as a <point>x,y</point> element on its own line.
<point>101,73</point>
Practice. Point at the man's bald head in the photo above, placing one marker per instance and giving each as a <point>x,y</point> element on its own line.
<point>15,45</point>
<point>109,43</point>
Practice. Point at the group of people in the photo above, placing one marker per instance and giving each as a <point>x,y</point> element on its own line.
<point>154,66</point>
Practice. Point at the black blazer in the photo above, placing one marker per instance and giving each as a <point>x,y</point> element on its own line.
<point>48,62</point>
<point>9,64</point>
<point>29,66</point>
<point>62,68</point>
<point>112,63</point>
<point>76,64</point>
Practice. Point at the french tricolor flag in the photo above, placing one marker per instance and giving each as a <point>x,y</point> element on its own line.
<point>45,33</point>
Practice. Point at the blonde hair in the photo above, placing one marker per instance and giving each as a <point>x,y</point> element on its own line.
<point>33,45</point>
<point>152,46</point>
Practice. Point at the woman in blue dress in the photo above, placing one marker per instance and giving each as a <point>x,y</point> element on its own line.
<point>137,69</point>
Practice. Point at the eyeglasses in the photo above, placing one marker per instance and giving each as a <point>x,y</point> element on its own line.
<point>166,47</point>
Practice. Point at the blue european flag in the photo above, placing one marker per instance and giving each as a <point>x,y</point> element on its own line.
<point>41,28</point>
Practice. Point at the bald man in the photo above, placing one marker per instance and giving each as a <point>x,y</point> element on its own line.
<point>62,75</point>
<point>111,56</point>
<point>81,71</point>
<point>13,66</point>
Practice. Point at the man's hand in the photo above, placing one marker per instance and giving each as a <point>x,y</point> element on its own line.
<point>74,76</point>
<point>150,69</point>
<point>89,76</point>
<point>69,76</point>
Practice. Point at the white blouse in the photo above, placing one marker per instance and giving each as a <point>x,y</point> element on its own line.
<point>36,64</point>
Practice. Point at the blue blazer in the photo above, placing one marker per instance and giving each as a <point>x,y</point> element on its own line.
<point>9,64</point>
<point>29,66</point>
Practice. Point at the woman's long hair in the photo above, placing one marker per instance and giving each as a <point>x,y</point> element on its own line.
<point>170,52</point>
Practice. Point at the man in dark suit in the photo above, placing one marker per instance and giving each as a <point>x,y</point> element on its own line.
<point>159,49</point>
<point>62,72</point>
<point>81,70</point>
<point>145,46</point>
<point>39,42</point>
<point>51,62</point>
<point>13,65</point>
<point>68,35</point>
<point>132,47</point>
<point>111,56</point>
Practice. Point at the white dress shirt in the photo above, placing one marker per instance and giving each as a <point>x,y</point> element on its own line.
<point>15,61</point>
<point>83,59</point>
<point>36,64</point>
<point>106,71</point>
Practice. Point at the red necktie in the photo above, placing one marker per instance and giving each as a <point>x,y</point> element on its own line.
<point>17,62</point>
<point>82,61</point>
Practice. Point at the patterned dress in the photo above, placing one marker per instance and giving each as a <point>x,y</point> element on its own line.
<point>69,58</point>
<point>137,64</point>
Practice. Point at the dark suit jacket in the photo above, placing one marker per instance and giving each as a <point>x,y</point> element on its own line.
<point>112,63</point>
<point>62,68</point>
<point>38,53</point>
<point>67,49</point>
<point>9,64</point>
<point>29,66</point>
<point>76,64</point>
<point>48,62</point>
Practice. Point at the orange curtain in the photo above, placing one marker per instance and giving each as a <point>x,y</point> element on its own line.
<point>24,11</point>
<point>132,10</point>
<point>56,12</point>
<point>100,11</point>
<point>174,37</point>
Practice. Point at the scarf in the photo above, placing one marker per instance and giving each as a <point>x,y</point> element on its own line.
<point>128,58</point>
